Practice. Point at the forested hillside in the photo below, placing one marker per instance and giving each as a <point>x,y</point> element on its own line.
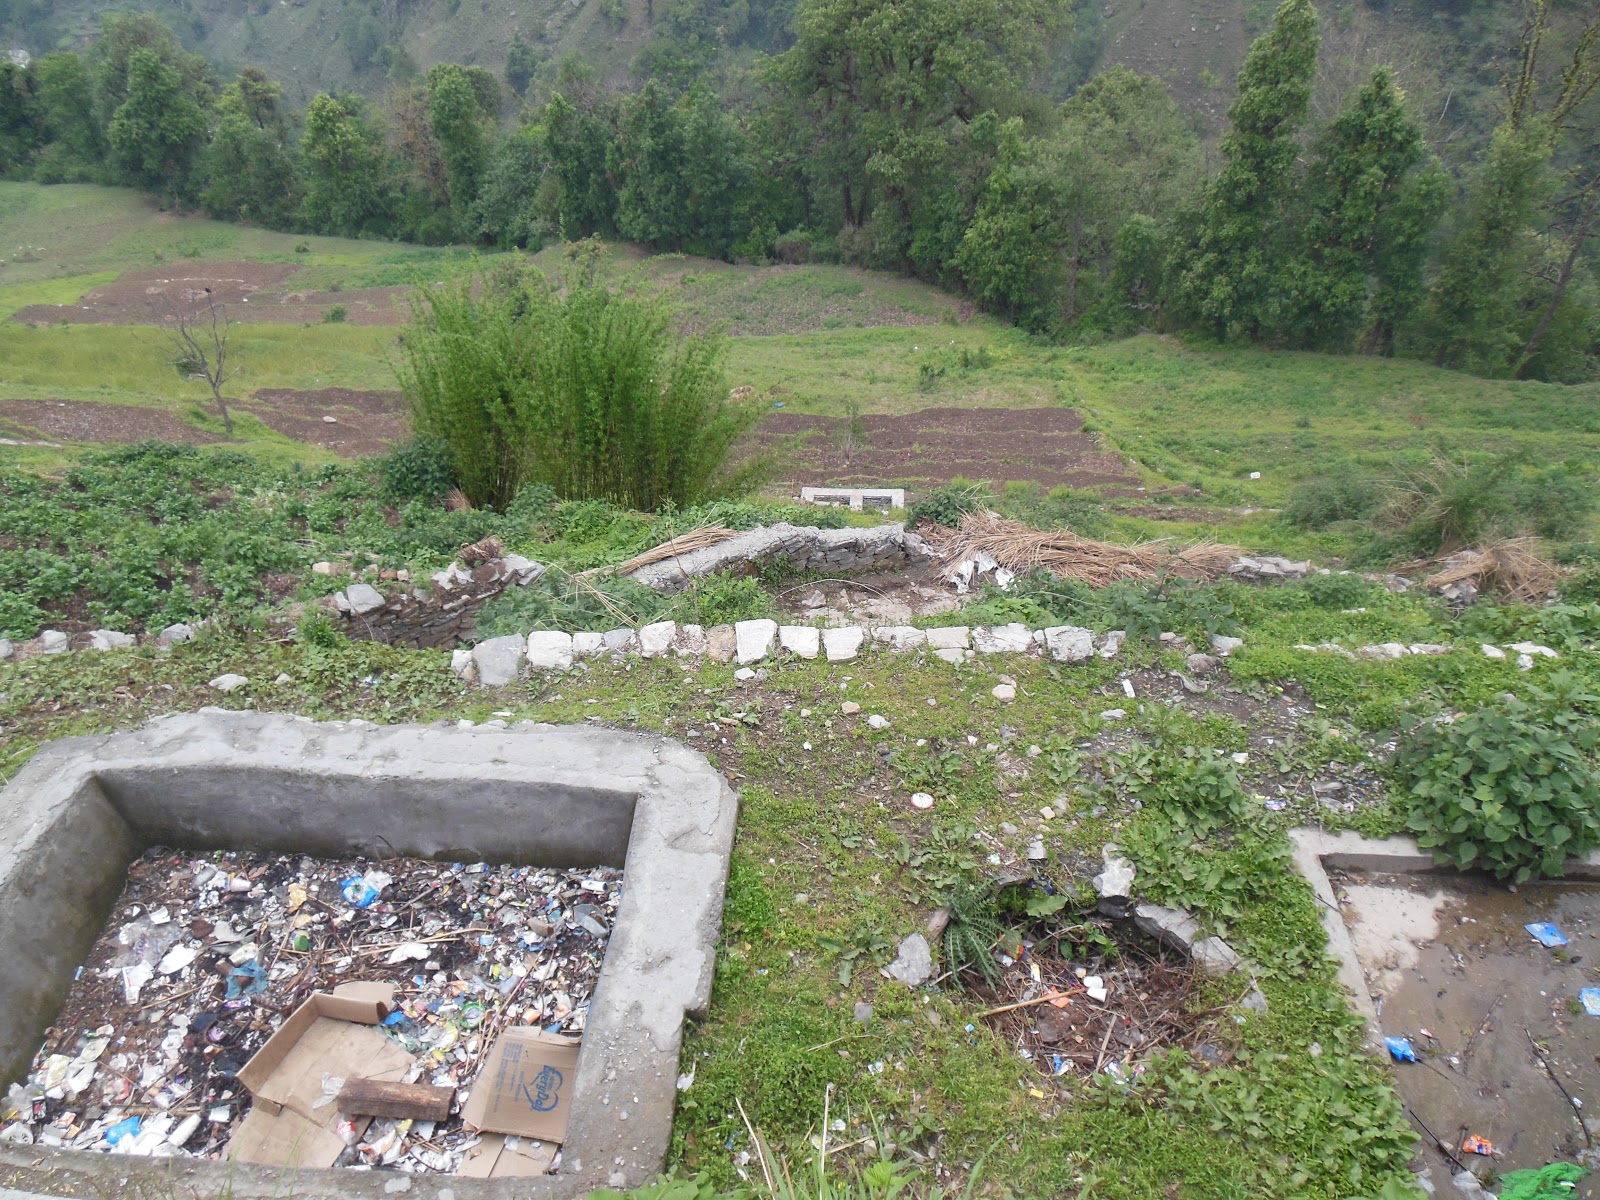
<point>1422,181</point>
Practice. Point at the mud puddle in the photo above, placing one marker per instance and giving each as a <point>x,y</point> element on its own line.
<point>1451,967</point>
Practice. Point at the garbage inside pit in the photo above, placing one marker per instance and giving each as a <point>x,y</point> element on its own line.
<point>1097,998</point>
<point>297,1011</point>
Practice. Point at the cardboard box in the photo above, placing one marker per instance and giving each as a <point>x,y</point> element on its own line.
<point>289,1123</point>
<point>525,1087</point>
<point>504,1156</point>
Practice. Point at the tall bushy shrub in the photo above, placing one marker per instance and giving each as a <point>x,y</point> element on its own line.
<point>589,393</point>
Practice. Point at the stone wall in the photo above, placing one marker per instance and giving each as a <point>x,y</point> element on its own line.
<point>436,617</point>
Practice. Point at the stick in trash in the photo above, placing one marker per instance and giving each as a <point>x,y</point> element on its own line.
<point>374,1098</point>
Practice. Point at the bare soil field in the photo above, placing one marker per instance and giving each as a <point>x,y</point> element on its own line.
<point>86,421</point>
<point>363,422</point>
<point>251,291</point>
<point>931,447</point>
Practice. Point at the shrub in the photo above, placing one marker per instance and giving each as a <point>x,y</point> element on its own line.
<point>1510,787</point>
<point>590,393</point>
<point>419,469</point>
<point>1321,502</point>
<point>1450,504</point>
<point>335,315</point>
<point>947,505</point>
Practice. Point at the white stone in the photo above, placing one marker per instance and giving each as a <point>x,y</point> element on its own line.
<point>173,634</point>
<point>324,568</point>
<point>921,800</point>
<point>1223,646</point>
<point>1431,649</point>
<point>1109,645</point>
<point>914,964</point>
<point>1533,648</point>
<point>363,598</point>
<point>1114,885</point>
<point>523,570</point>
<point>109,639</point>
<point>498,659</point>
<point>228,682</point>
<point>1002,639</point>
<point>753,639</point>
<point>1069,643</point>
<point>952,656</point>
<point>656,639</point>
<point>53,641</point>
<point>1114,714</point>
<point>691,640</point>
<point>1004,691</point>
<point>620,641</point>
<point>1492,651</point>
<point>803,640</point>
<point>745,674</point>
<point>878,721</point>
<point>6,648</point>
<point>282,678</point>
<point>587,644</point>
<point>461,663</point>
<point>900,637</point>
<point>549,650</point>
<point>1382,651</point>
<point>841,645</point>
<point>947,637</point>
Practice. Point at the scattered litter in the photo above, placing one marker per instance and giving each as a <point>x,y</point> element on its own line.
<point>1590,999</point>
<point>1475,1143</point>
<point>1546,934</point>
<point>1400,1048</point>
<point>156,1051</point>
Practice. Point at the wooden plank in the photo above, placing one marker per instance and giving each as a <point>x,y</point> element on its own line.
<point>374,1098</point>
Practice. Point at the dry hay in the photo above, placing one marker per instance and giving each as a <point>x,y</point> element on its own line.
<point>1512,568</point>
<point>684,543</point>
<point>1064,554</point>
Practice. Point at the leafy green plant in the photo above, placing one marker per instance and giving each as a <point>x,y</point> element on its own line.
<point>335,315</point>
<point>947,505</point>
<point>417,469</point>
<point>1511,787</point>
<point>973,930</point>
<point>1344,496</point>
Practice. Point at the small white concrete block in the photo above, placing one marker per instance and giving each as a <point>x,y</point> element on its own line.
<point>498,659</point>
<point>549,650</point>
<point>656,639</point>
<point>948,637</point>
<point>841,645</point>
<point>753,639</point>
<point>1069,643</point>
<point>228,682</point>
<point>585,645</point>
<point>1014,638</point>
<point>900,637</point>
<point>803,640</point>
<point>955,657</point>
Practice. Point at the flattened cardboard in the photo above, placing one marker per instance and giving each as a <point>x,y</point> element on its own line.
<point>504,1156</point>
<point>330,1034</point>
<point>525,1087</point>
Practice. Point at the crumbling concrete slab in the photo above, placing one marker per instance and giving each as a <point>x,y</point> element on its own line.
<point>72,819</point>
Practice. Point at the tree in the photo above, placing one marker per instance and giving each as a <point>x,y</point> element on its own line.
<point>1228,276</point>
<point>348,186</point>
<point>1366,216</point>
<point>508,210</point>
<point>124,35</point>
<point>593,394</point>
<point>522,61</point>
<point>577,143</point>
<point>65,91</point>
<point>198,336</point>
<point>249,167</point>
<point>882,91</point>
<point>459,129</point>
<point>21,118</point>
<point>158,130</point>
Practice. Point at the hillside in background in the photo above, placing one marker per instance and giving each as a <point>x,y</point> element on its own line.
<point>1448,54</point>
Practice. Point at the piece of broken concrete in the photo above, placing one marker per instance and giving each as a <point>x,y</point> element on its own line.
<point>913,966</point>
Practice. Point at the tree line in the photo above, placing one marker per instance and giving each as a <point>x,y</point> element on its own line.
<point>910,135</point>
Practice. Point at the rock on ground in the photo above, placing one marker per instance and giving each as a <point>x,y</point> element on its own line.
<point>498,659</point>
<point>548,650</point>
<point>753,639</point>
<point>913,966</point>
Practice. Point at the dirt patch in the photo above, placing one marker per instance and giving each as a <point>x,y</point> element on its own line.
<point>249,291</point>
<point>86,421</point>
<point>929,448</point>
<point>362,422</point>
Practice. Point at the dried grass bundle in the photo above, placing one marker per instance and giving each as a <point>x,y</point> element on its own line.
<point>1511,568</point>
<point>1064,554</point>
<point>684,543</point>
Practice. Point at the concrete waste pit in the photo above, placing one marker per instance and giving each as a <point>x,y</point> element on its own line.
<point>206,957</point>
<point>282,828</point>
<point>1495,1018</point>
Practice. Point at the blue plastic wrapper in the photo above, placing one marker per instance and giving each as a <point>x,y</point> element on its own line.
<point>122,1129</point>
<point>1590,999</point>
<point>359,892</point>
<point>1400,1049</point>
<point>247,980</point>
<point>1547,934</point>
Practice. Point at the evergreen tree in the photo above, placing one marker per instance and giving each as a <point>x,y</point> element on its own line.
<point>1366,213</point>
<point>21,116</point>
<point>65,90</point>
<point>249,167</point>
<point>460,129</point>
<point>1228,275</point>
<point>577,144</point>
<point>348,178</point>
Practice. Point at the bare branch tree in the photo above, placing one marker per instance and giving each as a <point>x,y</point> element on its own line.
<point>199,339</point>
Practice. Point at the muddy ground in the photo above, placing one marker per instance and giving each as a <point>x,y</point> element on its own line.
<point>250,291</point>
<point>1451,967</point>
